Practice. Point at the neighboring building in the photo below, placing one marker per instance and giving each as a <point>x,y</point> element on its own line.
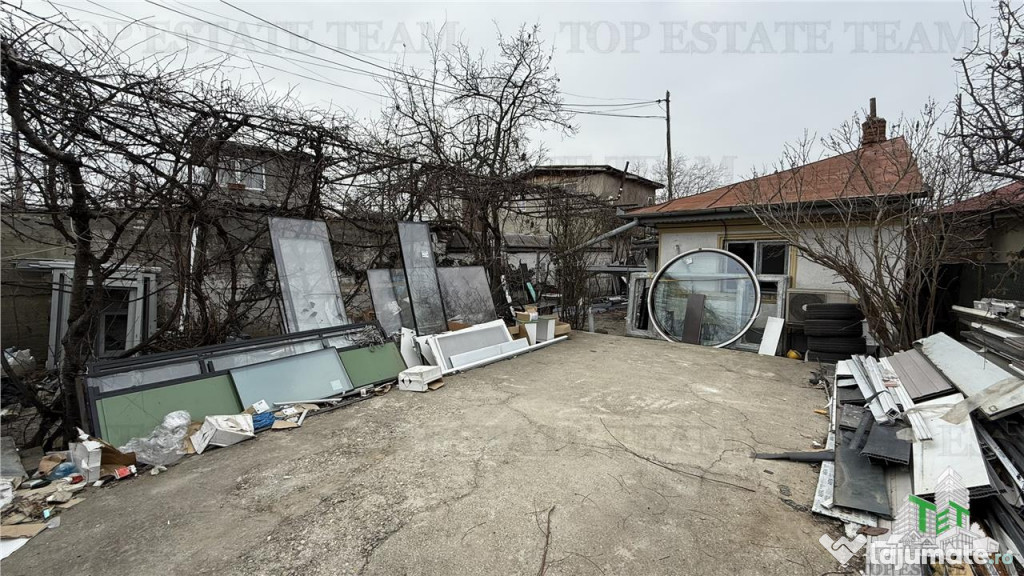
<point>720,218</point>
<point>999,214</point>
<point>610,186</point>
<point>37,268</point>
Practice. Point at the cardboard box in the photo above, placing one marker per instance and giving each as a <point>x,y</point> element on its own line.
<point>87,457</point>
<point>453,325</point>
<point>223,431</point>
<point>526,316</point>
<point>418,378</point>
<point>562,328</point>
<point>513,331</point>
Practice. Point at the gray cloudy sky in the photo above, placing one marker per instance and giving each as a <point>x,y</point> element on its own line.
<point>745,77</point>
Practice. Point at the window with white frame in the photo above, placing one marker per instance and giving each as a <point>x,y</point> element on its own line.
<point>242,173</point>
<point>763,256</point>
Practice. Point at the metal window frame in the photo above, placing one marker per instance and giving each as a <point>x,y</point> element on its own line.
<point>759,251</point>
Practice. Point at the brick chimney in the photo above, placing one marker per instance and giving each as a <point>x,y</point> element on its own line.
<point>872,131</point>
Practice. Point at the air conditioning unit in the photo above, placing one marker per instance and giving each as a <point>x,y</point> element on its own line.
<point>797,301</point>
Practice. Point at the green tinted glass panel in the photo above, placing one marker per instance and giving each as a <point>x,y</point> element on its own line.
<point>372,364</point>
<point>136,414</point>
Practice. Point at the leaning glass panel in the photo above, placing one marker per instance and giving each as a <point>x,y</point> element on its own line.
<point>466,294</point>
<point>725,298</point>
<point>390,300</point>
<point>421,276</point>
<point>305,269</point>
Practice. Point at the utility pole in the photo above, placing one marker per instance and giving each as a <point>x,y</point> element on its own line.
<point>668,142</point>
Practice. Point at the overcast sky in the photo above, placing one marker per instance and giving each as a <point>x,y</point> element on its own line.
<point>745,77</point>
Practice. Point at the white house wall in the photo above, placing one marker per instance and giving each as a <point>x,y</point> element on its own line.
<point>808,275</point>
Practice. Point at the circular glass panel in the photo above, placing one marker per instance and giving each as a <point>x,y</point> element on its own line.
<point>706,296</point>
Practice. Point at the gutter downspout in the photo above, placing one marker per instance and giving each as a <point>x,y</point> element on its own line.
<point>627,226</point>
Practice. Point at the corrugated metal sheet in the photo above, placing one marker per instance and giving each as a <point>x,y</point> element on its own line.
<point>920,379</point>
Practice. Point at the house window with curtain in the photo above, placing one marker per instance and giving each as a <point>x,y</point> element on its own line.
<point>242,173</point>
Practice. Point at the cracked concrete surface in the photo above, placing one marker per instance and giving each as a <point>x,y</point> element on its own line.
<point>642,447</point>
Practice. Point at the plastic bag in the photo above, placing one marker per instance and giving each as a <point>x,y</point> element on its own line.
<point>62,470</point>
<point>164,445</point>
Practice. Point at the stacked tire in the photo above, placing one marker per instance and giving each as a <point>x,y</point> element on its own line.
<point>834,331</point>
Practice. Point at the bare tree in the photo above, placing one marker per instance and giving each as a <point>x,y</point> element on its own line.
<point>468,122</point>
<point>690,175</point>
<point>137,163</point>
<point>877,214</point>
<point>990,105</point>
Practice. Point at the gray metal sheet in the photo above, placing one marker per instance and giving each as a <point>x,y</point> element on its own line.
<point>466,294</point>
<point>390,297</point>
<point>421,278</point>
<point>860,483</point>
<point>920,379</point>
<point>309,376</point>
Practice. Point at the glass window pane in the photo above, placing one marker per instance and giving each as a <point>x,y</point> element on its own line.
<point>727,288</point>
<point>421,276</point>
<point>390,300</point>
<point>745,250</point>
<point>466,294</point>
<point>305,270</point>
<point>773,259</point>
<point>306,377</point>
<point>254,355</point>
<point>143,376</point>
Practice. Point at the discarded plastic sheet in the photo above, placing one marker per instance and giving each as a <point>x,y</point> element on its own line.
<point>992,390</point>
<point>859,483</point>
<point>408,348</point>
<point>731,294</point>
<point>508,354</point>
<point>421,278</point>
<point>473,338</point>
<point>390,296</point>
<point>952,446</point>
<point>883,443</point>
<point>305,269</point>
<point>223,430</point>
<point>466,294</point>
<point>823,496</point>
<point>459,361</point>
<point>134,414</point>
<point>318,374</point>
<point>371,365</point>
<point>772,334</point>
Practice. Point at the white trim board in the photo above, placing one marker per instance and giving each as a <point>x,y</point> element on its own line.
<point>506,355</point>
<point>952,446</point>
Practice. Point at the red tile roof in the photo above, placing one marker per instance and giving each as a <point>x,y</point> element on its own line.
<point>886,168</point>
<point>1009,196</point>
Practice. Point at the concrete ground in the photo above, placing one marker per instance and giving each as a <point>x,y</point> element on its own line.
<point>636,453</point>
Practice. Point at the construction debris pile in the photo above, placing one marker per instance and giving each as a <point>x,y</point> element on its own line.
<point>928,445</point>
<point>148,412</point>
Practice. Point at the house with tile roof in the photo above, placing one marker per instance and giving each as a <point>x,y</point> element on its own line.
<point>850,185</point>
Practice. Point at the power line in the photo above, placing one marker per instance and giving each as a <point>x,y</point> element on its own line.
<point>210,44</point>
